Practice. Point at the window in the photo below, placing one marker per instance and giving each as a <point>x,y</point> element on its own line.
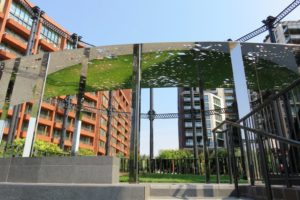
<point>15,35</point>
<point>189,133</point>
<point>22,16</point>
<point>90,102</point>
<point>87,127</point>
<point>101,144</point>
<point>56,133</point>
<point>218,117</point>
<point>69,45</point>
<point>103,122</point>
<point>10,49</point>
<point>113,140</point>
<point>115,122</point>
<point>208,124</point>
<point>189,142</point>
<point>43,130</point>
<point>28,108</point>
<point>59,118</point>
<point>102,132</point>
<point>25,126</point>
<point>46,114</point>
<point>50,36</point>
<point>86,140</point>
<point>114,131</point>
<point>89,115</point>
<point>205,98</point>
<point>188,124</point>
<point>104,101</point>
<point>217,101</point>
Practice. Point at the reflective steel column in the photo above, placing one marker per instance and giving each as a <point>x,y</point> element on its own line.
<point>109,115</point>
<point>241,88</point>
<point>67,101</point>
<point>37,13</point>
<point>151,115</point>
<point>36,108</point>
<point>80,100</point>
<point>195,142</point>
<point>136,89</point>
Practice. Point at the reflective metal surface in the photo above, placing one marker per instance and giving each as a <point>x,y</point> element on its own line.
<point>267,66</point>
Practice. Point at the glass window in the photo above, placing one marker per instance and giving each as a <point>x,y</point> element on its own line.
<point>87,127</point>
<point>69,45</point>
<point>102,132</point>
<point>50,36</point>
<point>21,15</point>
<point>103,122</point>
<point>43,130</point>
<point>86,140</point>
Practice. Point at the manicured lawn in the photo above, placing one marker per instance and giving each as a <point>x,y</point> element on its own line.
<point>176,178</point>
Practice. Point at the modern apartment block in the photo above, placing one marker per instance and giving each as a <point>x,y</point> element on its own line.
<point>287,32</point>
<point>15,27</point>
<point>212,101</point>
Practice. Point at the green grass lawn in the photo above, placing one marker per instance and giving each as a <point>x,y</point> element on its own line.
<point>176,178</point>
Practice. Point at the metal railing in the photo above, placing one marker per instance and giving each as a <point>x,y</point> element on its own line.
<point>176,166</point>
<point>270,140</point>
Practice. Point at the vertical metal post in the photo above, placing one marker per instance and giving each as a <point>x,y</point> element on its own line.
<point>136,86</point>
<point>279,121</point>
<point>37,13</point>
<point>9,91</point>
<point>216,156</point>
<point>67,101</point>
<point>203,120</point>
<point>36,108</point>
<point>109,115</point>
<point>80,100</point>
<point>250,161</point>
<point>204,127</point>
<point>264,168</point>
<point>233,160</point>
<point>229,162</point>
<point>241,89</point>
<point>151,114</point>
<point>63,133</point>
<point>195,142</point>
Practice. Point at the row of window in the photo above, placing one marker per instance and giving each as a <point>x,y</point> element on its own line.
<point>50,36</point>
<point>23,17</point>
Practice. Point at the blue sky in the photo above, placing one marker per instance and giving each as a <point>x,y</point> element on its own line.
<point>105,22</point>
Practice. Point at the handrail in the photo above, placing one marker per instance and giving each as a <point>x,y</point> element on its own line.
<point>261,133</point>
<point>270,99</point>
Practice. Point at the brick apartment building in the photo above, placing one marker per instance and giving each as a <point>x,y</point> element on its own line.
<point>15,26</point>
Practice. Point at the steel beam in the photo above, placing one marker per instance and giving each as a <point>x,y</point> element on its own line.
<point>151,114</point>
<point>109,115</point>
<point>75,39</point>
<point>195,143</point>
<point>136,89</point>
<point>37,13</point>
<point>80,100</point>
<point>63,133</point>
<point>36,108</point>
<point>3,119</point>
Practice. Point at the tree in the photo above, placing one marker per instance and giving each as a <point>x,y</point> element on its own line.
<point>175,154</point>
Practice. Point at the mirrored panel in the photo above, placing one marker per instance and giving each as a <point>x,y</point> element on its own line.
<point>270,67</point>
<point>163,65</point>
<point>7,68</point>
<point>108,67</point>
<point>29,80</point>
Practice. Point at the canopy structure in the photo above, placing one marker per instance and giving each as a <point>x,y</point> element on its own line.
<point>267,66</point>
